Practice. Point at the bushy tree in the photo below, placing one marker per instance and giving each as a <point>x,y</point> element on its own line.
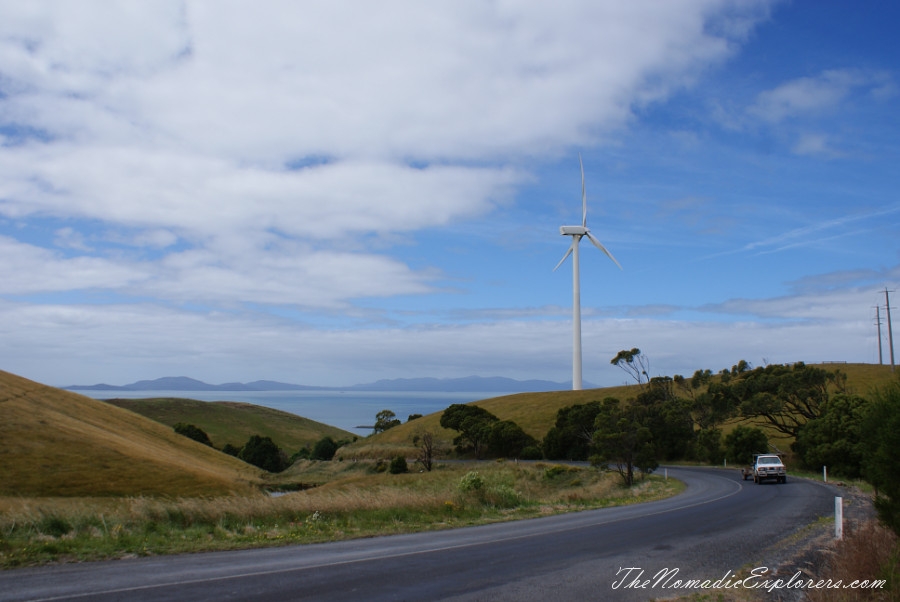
<point>193,432</point>
<point>786,397</point>
<point>473,424</point>
<point>264,453</point>
<point>384,420</point>
<point>709,445</point>
<point>880,430</point>
<point>324,449</point>
<point>668,417</point>
<point>834,438</point>
<point>507,439</point>
<point>622,438</point>
<point>745,441</point>
<point>572,436</point>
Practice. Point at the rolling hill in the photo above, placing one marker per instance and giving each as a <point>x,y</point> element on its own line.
<point>58,443</point>
<point>235,422</point>
<point>536,412</point>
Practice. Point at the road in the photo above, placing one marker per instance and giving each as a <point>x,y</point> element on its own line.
<point>716,527</point>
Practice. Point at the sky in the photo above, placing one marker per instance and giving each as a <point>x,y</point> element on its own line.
<point>337,192</point>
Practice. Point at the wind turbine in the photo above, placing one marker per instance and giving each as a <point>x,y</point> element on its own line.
<point>577,233</point>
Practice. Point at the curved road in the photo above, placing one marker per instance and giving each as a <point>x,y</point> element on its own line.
<point>716,527</point>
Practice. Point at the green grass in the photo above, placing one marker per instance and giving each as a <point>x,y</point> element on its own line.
<point>235,422</point>
<point>355,502</point>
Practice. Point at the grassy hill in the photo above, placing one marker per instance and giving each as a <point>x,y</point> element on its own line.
<point>536,412</point>
<point>58,443</point>
<point>235,422</point>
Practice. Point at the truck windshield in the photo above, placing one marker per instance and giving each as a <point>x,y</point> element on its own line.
<point>769,461</point>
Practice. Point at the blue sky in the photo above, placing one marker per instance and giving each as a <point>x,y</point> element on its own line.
<point>333,193</point>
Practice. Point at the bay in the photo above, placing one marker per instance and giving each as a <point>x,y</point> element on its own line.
<point>347,410</point>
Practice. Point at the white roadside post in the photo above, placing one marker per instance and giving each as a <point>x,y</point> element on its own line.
<point>838,518</point>
<point>825,473</point>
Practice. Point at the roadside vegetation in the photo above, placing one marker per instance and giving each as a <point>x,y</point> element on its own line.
<point>353,500</point>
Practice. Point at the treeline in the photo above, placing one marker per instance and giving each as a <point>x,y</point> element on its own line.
<point>263,452</point>
<point>678,418</point>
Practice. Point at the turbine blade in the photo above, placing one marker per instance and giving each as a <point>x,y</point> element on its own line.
<point>602,248</point>
<point>583,195</point>
<point>569,252</point>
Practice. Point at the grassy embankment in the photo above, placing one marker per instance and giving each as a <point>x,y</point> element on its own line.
<point>356,502</point>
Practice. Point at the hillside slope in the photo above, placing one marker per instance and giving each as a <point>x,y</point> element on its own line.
<point>58,443</point>
<point>235,422</point>
<point>536,412</point>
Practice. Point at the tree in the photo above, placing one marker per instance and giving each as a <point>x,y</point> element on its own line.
<point>668,417</point>
<point>634,363</point>
<point>473,424</point>
<point>572,437</point>
<point>193,432</point>
<point>263,453</point>
<point>324,449</point>
<point>384,420</point>
<point>507,439</point>
<point>743,442</point>
<point>621,437</point>
<point>709,445</point>
<point>834,439</point>
<point>880,432</point>
<point>425,444</point>
<point>785,397</point>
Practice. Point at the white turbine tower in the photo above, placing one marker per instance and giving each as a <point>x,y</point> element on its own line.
<point>577,233</point>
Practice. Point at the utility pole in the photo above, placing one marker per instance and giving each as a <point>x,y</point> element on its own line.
<point>887,302</point>
<point>878,323</point>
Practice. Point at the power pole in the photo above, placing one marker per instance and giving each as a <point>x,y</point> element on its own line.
<point>887,303</point>
<point>878,323</point>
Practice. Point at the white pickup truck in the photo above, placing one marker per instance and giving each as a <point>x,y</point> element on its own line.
<point>766,466</point>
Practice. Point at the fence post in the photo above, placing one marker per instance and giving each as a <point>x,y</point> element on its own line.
<point>838,518</point>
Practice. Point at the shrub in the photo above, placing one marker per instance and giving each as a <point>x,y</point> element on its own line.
<point>471,481</point>
<point>193,432</point>
<point>263,453</point>
<point>399,465</point>
<point>324,449</point>
<point>743,442</point>
<point>532,452</point>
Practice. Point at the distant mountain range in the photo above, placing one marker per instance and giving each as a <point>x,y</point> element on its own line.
<point>493,384</point>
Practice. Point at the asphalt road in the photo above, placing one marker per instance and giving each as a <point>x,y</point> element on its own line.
<point>719,525</point>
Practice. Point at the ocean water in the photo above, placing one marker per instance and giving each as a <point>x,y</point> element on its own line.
<point>347,410</point>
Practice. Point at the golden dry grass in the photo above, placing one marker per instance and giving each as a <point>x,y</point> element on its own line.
<point>58,443</point>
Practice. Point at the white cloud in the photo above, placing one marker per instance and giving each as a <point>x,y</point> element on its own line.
<point>29,269</point>
<point>181,121</point>
<point>809,95</point>
<point>815,145</point>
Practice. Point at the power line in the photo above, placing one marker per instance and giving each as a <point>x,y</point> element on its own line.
<point>878,323</point>
<point>887,304</point>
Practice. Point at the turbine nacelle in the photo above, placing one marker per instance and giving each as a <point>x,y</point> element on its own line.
<point>573,230</point>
